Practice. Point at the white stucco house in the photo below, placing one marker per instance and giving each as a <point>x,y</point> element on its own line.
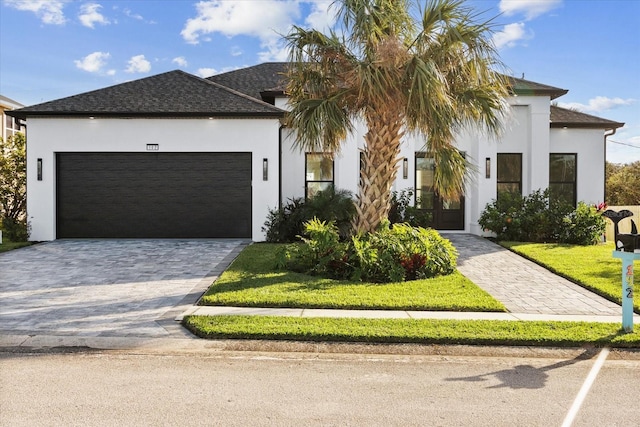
<point>175,155</point>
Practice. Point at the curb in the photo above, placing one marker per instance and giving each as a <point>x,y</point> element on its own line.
<point>194,346</point>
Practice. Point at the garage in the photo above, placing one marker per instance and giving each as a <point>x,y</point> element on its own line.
<point>153,195</point>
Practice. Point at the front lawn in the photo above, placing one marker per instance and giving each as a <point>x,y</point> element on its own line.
<point>592,267</point>
<point>8,245</point>
<point>469,332</point>
<point>253,281</point>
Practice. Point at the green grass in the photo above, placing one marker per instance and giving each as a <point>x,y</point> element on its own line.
<point>592,267</point>
<point>469,332</point>
<point>8,245</point>
<point>253,281</point>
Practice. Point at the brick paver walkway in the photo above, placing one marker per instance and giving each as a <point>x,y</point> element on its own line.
<point>521,285</point>
<point>107,287</point>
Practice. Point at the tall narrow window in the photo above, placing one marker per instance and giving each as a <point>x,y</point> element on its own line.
<point>562,177</point>
<point>425,192</point>
<point>318,173</point>
<point>509,179</point>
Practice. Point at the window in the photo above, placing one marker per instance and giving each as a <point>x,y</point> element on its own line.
<point>11,126</point>
<point>562,177</point>
<point>509,173</point>
<point>425,192</point>
<point>318,173</point>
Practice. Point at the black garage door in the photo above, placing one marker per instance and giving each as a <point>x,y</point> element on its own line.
<point>157,195</point>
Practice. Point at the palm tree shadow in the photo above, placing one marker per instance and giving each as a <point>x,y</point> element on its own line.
<point>525,376</point>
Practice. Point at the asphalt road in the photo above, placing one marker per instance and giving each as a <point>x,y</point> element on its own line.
<point>244,388</point>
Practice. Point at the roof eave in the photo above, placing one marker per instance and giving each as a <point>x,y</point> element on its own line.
<point>553,94</point>
<point>604,126</point>
<point>102,114</point>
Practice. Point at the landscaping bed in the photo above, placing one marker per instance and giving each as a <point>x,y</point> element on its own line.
<point>253,281</point>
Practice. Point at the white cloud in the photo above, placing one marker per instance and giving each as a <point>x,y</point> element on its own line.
<point>130,14</point>
<point>49,11</point>
<point>322,16</point>
<point>180,61</point>
<point>138,64</point>
<point>276,50</point>
<point>267,20</point>
<point>206,72</point>
<point>94,62</point>
<point>90,15</point>
<point>530,8</point>
<point>598,104</point>
<point>236,51</point>
<point>133,15</point>
<point>510,34</point>
<point>259,19</point>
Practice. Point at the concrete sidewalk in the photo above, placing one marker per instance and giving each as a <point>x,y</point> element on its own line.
<point>395,314</point>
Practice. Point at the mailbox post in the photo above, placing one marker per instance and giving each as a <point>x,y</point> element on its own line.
<point>627,287</point>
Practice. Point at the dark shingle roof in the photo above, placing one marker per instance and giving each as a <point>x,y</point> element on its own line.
<point>526,87</point>
<point>235,93</point>
<point>170,94</point>
<point>562,117</point>
<point>252,81</point>
<point>269,78</point>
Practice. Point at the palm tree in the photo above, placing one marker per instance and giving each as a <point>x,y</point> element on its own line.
<point>431,76</point>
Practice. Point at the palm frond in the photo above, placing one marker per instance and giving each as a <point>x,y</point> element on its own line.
<point>450,172</point>
<point>321,124</point>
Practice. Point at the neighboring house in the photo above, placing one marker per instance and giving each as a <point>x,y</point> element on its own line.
<point>10,126</point>
<point>175,155</point>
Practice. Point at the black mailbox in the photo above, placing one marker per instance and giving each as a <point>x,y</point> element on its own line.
<point>628,242</point>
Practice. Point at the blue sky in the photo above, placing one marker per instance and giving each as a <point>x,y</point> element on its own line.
<point>56,48</point>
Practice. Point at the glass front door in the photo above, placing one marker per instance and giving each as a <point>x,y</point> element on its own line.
<point>445,215</point>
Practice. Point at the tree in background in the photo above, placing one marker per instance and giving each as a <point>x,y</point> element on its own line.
<point>429,76</point>
<point>623,184</point>
<point>13,187</point>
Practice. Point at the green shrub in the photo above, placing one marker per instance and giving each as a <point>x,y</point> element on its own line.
<point>404,211</point>
<point>535,218</point>
<point>321,253</point>
<point>403,252</point>
<point>391,254</point>
<point>499,216</point>
<point>286,224</point>
<point>584,226</point>
<point>15,230</point>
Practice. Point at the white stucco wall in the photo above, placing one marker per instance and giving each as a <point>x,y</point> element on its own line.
<point>588,144</point>
<point>48,136</point>
<point>526,131</point>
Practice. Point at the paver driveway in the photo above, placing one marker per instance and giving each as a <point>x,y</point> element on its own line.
<point>107,287</point>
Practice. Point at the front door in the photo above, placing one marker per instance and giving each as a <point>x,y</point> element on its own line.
<point>445,215</point>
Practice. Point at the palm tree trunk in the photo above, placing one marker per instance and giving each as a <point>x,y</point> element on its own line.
<point>380,161</point>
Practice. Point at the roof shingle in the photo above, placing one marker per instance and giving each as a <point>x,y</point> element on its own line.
<point>174,93</point>
<point>252,81</point>
<point>526,87</point>
<point>562,117</point>
<point>238,93</point>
